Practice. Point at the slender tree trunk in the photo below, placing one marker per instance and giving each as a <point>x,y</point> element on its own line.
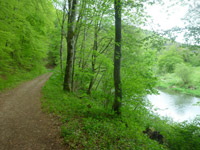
<point>74,61</point>
<point>94,55</point>
<point>82,51</point>
<point>62,34</point>
<point>70,44</point>
<point>61,54</point>
<point>73,71</point>
<point>81,62</point>
<point>77,33</point>
<point>117,58</point>
<point>99,81</point>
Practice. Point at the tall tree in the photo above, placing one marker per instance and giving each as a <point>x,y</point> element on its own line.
<point>117,58</point>
<point>62,34</point>
<point>72,7</point>
<point>79,24</point>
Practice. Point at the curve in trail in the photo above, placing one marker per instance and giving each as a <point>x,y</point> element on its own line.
<point>23,125</point>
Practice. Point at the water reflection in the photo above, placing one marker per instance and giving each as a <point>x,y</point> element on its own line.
<point>177,106</point>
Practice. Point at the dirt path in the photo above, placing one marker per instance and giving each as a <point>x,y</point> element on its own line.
<point>23,125</point>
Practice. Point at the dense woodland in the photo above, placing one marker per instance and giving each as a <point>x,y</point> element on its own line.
<point>103,67</point>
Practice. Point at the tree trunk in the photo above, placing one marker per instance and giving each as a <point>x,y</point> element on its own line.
<point>74,59</point>
<point>61,54</point>
<point>81,62</point>
<point>62,34</point>
<point>99,82</point>
<point>117,59</point>
<point>76,36</point>
<point>94,55</point>
<point>70,44</point>
<point>73,71</point>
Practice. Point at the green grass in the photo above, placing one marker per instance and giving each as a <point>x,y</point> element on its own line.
<point>12,80</point>
<point>88,125</point>
<point>173,83</point>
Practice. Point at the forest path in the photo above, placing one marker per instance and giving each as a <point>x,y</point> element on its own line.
<point>23,125</point>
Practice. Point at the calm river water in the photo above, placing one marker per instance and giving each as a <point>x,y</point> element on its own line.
<point>175,105</point>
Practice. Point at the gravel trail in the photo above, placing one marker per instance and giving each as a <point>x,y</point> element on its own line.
<point>23,124</point>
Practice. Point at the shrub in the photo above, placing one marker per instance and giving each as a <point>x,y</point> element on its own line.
<point>184,72</point>
<point>168,60</point>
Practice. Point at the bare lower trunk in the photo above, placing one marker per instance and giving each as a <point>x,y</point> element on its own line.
<point>117,59</point>
<point>68,71</point>
<point>73,70</point>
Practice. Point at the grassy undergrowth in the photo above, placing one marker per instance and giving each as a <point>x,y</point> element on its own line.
<point>12,80</point>
<point>88,125</point>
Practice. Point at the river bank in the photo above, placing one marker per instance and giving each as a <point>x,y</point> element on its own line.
<point>172,83</point>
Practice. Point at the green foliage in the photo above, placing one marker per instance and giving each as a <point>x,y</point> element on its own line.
<point>27,36</point>
<point>184,72</point>
<point>185,78</point>
<point>168,60</point>
<point>24,33</point>
<point>174,82</point>
<point>30,39</point>
<point>186,136</point>
<point>138,77</point>
<point>87,124</point>
<point>195,60</point>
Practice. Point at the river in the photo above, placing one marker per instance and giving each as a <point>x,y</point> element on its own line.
<point>175,105</point>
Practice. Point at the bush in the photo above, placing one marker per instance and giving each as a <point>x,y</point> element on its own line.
<point>186,136</point>
<point>168,60</point>
<point>184,72</point>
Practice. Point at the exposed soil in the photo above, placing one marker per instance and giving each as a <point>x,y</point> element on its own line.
<point>23,124</point>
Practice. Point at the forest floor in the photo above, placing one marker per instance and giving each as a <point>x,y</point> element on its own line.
<point>23,124</point>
